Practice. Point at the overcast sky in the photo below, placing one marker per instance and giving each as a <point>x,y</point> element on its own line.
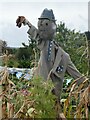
<point>74,14</point>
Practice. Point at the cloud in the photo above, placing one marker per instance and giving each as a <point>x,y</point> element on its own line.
<point>74,14</point>
<point>43,1</point>
<point>14,35</point>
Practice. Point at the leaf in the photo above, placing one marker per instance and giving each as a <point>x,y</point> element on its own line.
<point>31,111</point>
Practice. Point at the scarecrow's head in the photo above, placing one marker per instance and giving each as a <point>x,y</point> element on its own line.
<point>47,25</point>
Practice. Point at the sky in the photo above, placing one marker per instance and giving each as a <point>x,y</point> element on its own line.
<point>73,13</point>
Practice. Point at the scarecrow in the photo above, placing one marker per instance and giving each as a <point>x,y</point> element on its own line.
<point>54,61</point>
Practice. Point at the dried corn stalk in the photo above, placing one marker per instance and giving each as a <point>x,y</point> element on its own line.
<point>6,108</point>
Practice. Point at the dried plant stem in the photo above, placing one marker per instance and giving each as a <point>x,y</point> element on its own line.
<point>35,57</point>
<point>88,56</point>
<point>88,41</point>
<point>24,104</point>
<point>16,115</point>
<point>1,101</point>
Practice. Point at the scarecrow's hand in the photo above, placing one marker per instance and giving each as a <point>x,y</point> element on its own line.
<point>20,20</point>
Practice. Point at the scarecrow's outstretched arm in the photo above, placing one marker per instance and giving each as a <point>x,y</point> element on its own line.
<point>72,70</point>
<point>32,29</point>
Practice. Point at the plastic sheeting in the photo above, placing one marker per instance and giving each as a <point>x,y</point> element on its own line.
<point>19,72</point>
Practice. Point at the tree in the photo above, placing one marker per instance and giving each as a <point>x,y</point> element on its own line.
<point>26,54</point>
<point>3,45</point>
<point>73,43</point>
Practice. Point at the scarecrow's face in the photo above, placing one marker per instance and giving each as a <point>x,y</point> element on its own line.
<point>46,29</point>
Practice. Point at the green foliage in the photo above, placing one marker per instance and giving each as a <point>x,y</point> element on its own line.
<point>12,50</point>
<point>12,63</point>
<point>44,100</point>
<point>73,43</point>
<point>26,55</point>
<point>36,90</point>
<point>23,53</point>
<point>24,63</point>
